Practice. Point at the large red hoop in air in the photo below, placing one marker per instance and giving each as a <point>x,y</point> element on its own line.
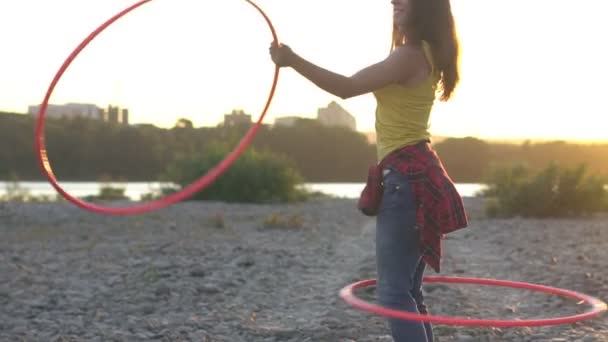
<point>198,185</point>
<point>597,306</point>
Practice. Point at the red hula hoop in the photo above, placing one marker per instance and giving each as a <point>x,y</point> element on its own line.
<point>597,306</point>
<point>198,185</point>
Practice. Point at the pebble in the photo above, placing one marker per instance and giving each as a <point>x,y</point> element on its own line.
<point>70,275</point>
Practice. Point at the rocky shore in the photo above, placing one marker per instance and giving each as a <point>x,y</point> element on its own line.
<point>219,272</point>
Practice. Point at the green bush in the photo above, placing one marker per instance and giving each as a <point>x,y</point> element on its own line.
<point>156,194</point>
<point>108,192</point>
<point>551,192</point>
<point>13,192</point>
<point>255,177</point>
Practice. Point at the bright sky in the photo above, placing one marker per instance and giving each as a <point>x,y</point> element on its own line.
<point>530,69</point>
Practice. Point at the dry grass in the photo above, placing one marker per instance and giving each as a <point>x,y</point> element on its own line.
<point>283,221</point>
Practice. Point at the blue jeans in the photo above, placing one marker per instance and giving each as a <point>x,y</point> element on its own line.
<point>399,263</point>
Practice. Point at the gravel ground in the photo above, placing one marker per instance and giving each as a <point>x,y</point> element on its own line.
<point>219,272</point>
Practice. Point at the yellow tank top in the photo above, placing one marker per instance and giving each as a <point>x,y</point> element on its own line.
<point>402,113</point>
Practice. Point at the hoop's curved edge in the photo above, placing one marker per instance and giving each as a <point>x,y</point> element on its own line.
<point>202,182</point>
<point>39,141</point>
<point>597,306</point>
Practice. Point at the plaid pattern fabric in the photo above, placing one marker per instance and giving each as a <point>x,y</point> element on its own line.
<point>440,208</point>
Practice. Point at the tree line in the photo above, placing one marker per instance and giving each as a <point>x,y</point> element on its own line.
<point>90,150</point>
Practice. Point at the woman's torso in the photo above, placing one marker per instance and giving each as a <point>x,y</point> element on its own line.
<point>403,112</point>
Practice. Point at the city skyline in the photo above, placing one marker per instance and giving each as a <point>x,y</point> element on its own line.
<point>289,120</point>
<point>331,115</point>
<point>521,77</point>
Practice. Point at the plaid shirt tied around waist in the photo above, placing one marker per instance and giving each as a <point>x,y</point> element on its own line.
<point>440,209</point>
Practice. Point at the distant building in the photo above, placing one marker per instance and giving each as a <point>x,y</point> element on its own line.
<point>125,117</point>
<point>288,121</point>
<point>116,115</point>
<point>111,114</point>
<point>83,110</point>
<point>69,110</point>
<point>237,118</point>
<point>335,115</point>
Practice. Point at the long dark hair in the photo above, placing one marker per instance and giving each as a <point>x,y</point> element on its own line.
<point>433,22</point>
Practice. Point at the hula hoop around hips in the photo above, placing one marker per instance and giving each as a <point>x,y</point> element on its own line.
<point>597,306</point>
<point>188,191</point>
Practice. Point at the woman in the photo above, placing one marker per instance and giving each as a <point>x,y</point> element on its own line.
<point>419,201</point>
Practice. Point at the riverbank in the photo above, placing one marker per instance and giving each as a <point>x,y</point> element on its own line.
<point>135,190</point>
<point>218,272</point>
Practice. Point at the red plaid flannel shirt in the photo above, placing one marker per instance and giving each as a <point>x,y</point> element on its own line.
<point>440,209</point>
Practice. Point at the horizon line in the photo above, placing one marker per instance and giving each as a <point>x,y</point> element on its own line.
<point>434,138</point>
